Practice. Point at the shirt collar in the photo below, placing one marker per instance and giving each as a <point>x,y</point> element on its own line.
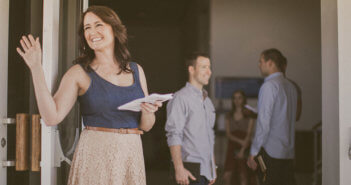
<point>271,76</point>
<point>197,91</point>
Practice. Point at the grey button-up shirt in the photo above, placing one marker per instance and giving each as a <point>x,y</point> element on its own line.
<point>190,122</point>
<point>275,127</point>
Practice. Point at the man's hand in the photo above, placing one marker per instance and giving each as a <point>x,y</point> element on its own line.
<point>182,176</point>
<point>251,162</point>
<point>212,182</point>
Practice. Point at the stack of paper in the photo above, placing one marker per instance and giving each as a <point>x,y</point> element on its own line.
<point>135,104</point>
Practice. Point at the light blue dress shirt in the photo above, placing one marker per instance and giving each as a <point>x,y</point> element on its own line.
<point>275,127</point>
<point>190,122</point>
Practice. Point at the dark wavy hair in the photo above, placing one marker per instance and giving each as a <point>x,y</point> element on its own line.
<point>121,52</point>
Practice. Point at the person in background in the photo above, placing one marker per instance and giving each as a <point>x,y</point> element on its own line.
<point>275,128</point>
<point>239,128</point>
<point>190,121</point>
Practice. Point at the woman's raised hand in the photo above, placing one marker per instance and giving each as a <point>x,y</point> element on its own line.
<point>30,51</point>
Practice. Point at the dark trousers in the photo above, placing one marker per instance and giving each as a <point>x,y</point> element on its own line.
<point>279,171</point>
<point>203,181</point>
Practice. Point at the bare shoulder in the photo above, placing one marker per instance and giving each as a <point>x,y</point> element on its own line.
<point>76,72</point>
<point>141,74</point>
<point>78,75</point>
<point>140,69</point>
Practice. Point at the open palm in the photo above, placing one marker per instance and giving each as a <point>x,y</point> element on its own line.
<point>30,51</point>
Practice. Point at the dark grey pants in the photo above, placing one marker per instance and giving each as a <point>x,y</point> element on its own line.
<point>203,181</point>
<point>279,171</point>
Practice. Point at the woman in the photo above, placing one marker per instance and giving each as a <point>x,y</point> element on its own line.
<point>109,150</point>
<point>239,126</point>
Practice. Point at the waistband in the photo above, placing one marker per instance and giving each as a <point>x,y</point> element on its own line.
<point>117,130</point>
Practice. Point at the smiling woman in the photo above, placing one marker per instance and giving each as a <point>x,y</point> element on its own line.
<point>109,150</point>
<point>101,27</point>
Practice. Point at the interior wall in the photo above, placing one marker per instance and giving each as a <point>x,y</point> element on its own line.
<point>241,30</point>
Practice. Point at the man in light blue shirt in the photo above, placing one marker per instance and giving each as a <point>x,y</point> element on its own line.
<point>190,121</point>
<point>275,127</point>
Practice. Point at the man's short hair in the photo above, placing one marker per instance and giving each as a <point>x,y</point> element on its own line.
<point>277,57</point>
<point>191,59</point>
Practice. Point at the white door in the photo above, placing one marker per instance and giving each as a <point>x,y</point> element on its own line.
<point>4,22</point>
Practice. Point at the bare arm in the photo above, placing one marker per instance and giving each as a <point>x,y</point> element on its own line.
<point>176,156</point>
<point>181,174</point>
<point>147,110</point>
<point>52,109</point>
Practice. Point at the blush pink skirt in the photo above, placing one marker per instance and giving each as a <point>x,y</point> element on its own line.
<point>105,158</point>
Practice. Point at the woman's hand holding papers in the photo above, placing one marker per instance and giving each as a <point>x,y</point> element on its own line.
<point>149,108</point>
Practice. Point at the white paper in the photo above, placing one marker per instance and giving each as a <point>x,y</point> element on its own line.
<point>135,104</point>
<point>251,108</point>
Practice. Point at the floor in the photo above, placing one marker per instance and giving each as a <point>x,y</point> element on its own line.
<point>162,178</point>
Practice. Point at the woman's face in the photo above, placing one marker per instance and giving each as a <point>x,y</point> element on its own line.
<point>238,100</point>
<point>98,34</point>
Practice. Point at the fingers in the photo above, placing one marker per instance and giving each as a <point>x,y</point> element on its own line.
<point>158,103</point>
<point>26,41</point>
<point>212,182</point>
<point>37,41</point>
<point>31,39</point>
<point>183,182</point>
<point>149,107</point>
<point>24,46</point>
<point>20,52</point>
<point>191,176</point>
<point>252,163</point>
<point>186,182</point>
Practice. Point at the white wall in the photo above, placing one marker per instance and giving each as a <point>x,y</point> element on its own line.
<point>242,29</point>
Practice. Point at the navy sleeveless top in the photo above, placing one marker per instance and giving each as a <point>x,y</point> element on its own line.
<point>99,105</point>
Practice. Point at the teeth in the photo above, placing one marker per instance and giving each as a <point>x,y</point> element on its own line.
<point>96,39</point>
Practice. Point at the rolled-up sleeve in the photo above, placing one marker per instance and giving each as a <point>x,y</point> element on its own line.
<point>176,119</point>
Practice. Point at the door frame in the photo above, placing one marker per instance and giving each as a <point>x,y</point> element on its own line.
<point>50,48</point>
<point>51,15</point>
<point>336,90</point>
<point>4,33</point>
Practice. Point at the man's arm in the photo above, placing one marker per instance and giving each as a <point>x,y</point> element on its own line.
<point>182,175</point>
<point>176,119</point>
<point>265,111</point>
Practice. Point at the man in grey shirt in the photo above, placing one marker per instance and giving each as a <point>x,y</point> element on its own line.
<point>189,126</point>
<point>275,129</point>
